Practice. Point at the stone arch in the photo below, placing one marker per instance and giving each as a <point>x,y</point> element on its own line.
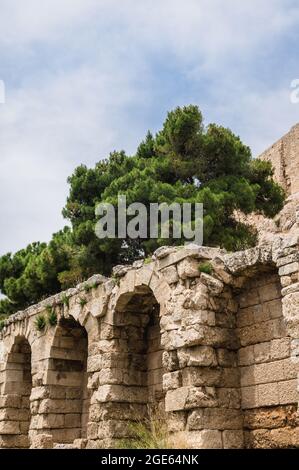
<point>267,372</point>
<point>64,402</point>
<point>137,314</point>
<point>15,395</point>
<point>128,369</point>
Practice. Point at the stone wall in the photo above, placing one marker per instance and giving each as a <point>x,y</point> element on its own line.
<point>284,157</point>
<point>268,374</point>
<point>214,349</point>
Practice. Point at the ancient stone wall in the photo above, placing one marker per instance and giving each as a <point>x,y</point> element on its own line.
<point>215,349</point>
<point>284,155</point>
<point>268,373</point>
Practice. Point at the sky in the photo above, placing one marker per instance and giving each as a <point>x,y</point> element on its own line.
<point>86,77</point>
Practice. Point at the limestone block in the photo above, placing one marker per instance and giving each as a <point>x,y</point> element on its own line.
<point>198,376</point>
<point>172,380</point>
<point>120,393</point>
<point>285,282</point>
<point>294,287</point>
<point>246,356</point>
<point>226,358</point>
<point>98,306</point>
<point>168,323</point>
<point>233,439</point>
<point>245,317</point>
<point>176,421</point>
<point>269,292</point>
<point>262,352</point>
<point>249,298</point>
<point>273,309</point>
<point>206,439</point>
<point>229,398</point>
<point>188,268</point>
<point>170,360</point>
<point>109,376</point>
<point>185,398</point>
<point>230,377</point>
<point>288,269</point>
<point>164,251</point>
<point>10,401</point>
<point>280,348</point>
<point>94,363</point>
<point>267,418</point>
<point>268,394</point>
<point>214,286</point>
<point>143,275</point>
<point>170,274</point>
<point>291,308</point>
<point>120,270</point>
<point>115,429</point>
<point>197,356</point>
<point>42,441</point>
<point>288,392</point>
<point>92,430</point>
<point>215,418</point>
<point>9,427</point>
<point>72,420</point>
<point>286,260</point>
<point>14,414</point>
<point>195,299</point>
<point>65,435</point>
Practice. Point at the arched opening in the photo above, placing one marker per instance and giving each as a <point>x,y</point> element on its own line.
<point>67,382</point>
<point>17,390</point>
<point>267,373</point>
<point>142,331</point>
<point>137,315</point>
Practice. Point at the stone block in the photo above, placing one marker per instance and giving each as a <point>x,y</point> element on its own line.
<point>188,268</point>
<point>249,397</point>
<point>288,269</point>
<point>246,356</point>
<point>288,392</point>
<point>172,380</point>
<point>197,356</point>
<point>186,398</point>
<point>9,427</point>
<point>215,418</point>
<point>176,421</point>
<point>206,439</point>
<point>120,393</point>
<point>42,441</point>
<point>199,376</point>
<point>170,274</point>
<point>268,394</point>
<point>233,439</point>
<point>226,358</point>
<point>262,352</point>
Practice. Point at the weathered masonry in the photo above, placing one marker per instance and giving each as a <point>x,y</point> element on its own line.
<point>219,351</point>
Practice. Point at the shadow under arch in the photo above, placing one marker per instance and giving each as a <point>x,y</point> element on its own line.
<point>265,364</point>
<point>137,372</point>
<point>67,383</point>
<point>16,395</point>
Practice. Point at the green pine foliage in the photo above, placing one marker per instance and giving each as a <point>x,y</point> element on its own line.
<point>184,162</point>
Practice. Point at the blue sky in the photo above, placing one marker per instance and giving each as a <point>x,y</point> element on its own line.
<point>85,77</point>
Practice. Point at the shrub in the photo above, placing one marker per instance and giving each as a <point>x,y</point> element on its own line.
<point>206,268</point>
<point>65,300</point>
<point>40,322</point>
<point>83,301</point>
<point>52,318</point>
<point>151,433</point>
